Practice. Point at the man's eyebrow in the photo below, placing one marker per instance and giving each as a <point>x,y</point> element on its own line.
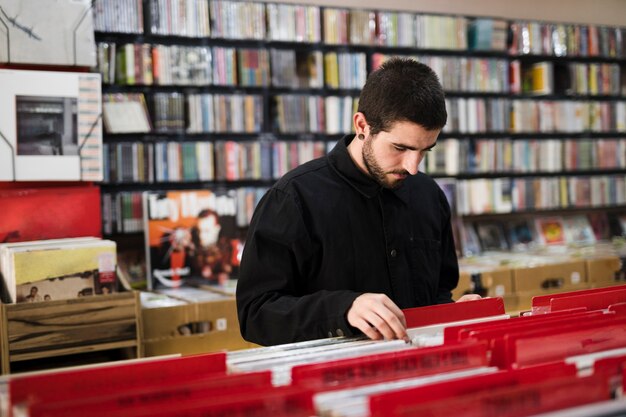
<point>413,148</point>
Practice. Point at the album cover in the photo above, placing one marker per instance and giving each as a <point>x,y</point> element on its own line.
<point>470,243</point>
<point>50,126</point>
<point>41,213</point>
<point>521,234</point>
<point>600,224</point>
<point>191,237</point>
<point>550,230</point>
<point>491,236</point>
<point>58,269</point>
<point>578,229</point>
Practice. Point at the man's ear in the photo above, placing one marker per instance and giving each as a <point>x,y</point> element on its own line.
<point>360,124</point>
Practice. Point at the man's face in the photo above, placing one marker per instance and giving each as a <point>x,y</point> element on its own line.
<point>392,156</point>
<point>209,230</point>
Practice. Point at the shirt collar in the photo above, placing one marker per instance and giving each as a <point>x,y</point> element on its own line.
<point>341,161</point>
<point>343,164</point>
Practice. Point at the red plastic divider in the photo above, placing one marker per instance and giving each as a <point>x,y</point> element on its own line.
<point>618,308</point>
<point>541,303</point>
<point>73,383</point>
<point>528,349</point>
<point>446,313</point>
<point>453,334</point>
<point>175,390</point>
<point>611,368</point>
<point>390,365</point>
<point>597,301</point>
<point>514,401</point>
<point>287,401</point>
<point>495,335</point>
<point>382,404</point>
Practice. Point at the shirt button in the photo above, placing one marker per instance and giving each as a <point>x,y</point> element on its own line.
<point>339,332</point>
<point>393,253</point>
<point>330,334</point>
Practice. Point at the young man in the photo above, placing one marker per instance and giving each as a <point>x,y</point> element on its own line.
<point>341,244</point>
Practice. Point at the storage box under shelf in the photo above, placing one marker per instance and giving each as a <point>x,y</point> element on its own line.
<point>51,329</point>
<point>217,320</point>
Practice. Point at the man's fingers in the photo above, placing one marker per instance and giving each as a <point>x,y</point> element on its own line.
<point>392,322</point>
<point>395,310</point>
<point>381,325</point>
<point>469,297</point>
<point>377,316</point>
<point>398,324</point>
<point>367,329</point>
<point>379,311</point>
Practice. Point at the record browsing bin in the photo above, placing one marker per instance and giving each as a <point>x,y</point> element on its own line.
<point>48,329</point>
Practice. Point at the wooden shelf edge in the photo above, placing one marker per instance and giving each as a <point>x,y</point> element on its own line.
<point>70,351</point>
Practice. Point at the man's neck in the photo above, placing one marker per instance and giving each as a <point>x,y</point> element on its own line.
<point>355,150</point>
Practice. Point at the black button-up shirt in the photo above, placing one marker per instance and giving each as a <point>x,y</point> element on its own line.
<point>326,233</point>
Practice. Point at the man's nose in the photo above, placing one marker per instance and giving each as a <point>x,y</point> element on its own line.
<point>412,161</point>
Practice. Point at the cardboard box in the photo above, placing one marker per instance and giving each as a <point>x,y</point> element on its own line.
<point>496,282</point>
<point>199,327</point>
<point>511,304</point>
<point>605,271</point>
<point>524,299</point>
<point>195,344</point>
<point>548,279</point>
<point>551,278</point>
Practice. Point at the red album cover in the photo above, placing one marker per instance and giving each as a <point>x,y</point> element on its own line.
<point>191,237</point>
<point>38,213</point>
<point>551,230</point>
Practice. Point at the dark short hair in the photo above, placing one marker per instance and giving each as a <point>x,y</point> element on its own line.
<point>403,89</point>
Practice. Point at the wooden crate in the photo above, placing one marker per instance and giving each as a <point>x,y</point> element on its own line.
<point>65,327</point>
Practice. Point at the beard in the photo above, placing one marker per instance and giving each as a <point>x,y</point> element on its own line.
<point>376,171</point>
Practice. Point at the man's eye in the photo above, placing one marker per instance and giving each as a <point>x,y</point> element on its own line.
<point>399,148</point>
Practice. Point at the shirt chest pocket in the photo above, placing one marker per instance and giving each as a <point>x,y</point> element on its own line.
<point>425,260</point>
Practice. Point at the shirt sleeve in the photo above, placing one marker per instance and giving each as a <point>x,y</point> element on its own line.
<point>272,306</point>
<point>449,275</point>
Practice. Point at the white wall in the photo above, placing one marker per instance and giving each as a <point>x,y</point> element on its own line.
<point>600,12</point>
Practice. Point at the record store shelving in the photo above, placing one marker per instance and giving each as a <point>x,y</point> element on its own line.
<point>532,105</point>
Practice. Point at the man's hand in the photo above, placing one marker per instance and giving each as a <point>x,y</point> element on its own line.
<point>378,317</point>
<point>469,297</point>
